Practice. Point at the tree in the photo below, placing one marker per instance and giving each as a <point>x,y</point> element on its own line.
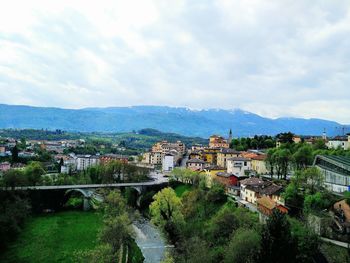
<point>13,178</point>
<point>117,229</point>
<point>271,161</point>
<point>195,250</point>
<point>303,157</point>
<point>13,212</point>
<point>320,145</point>
<point>14,152</point>
<point>222,225</point>
<point>282,159</point>
<point>314,203</point>
<point>166,212</point>
<point>293,196</point>
<point>244,247</point>
<point>307,241</point>
<point>313,179</point>
<point>285,137</point>
<point>277,244</point>
<point>347,197</point>
<point>34,172</point>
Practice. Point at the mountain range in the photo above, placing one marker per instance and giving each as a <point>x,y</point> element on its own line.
<point>179,120</point>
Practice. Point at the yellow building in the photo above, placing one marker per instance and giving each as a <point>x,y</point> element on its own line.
<point>211,175</point>
<point>224,154</point>
<point>209,157</point>
<point>259,164</point>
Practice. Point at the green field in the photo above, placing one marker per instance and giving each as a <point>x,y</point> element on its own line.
<point>182,188</point>
<point>55,237</point>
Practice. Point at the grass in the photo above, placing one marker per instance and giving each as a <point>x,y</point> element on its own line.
<point>181,189</point>
<point>55,237</point>
<point>334,254</point>
<point>135,254</point>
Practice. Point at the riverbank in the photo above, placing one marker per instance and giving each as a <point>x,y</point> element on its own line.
<point>149,240</point>
<point>55,237</point>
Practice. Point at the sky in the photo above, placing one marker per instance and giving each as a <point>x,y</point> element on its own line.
<point>274,58</point>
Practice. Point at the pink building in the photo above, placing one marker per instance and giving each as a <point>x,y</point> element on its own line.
<point>5,166</point>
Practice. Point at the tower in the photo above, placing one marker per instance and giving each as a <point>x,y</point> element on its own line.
<point>230,136</point>
<point>324,135</point>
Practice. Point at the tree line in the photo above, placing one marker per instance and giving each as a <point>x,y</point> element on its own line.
<point>112,172</point>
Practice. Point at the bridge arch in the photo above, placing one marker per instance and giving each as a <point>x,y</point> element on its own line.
<point>87,194</point>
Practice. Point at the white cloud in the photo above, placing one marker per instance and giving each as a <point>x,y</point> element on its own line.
<point>276,58</point>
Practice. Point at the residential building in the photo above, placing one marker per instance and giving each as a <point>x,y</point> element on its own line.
<point>296,139</point>
<point>197,147</point>
<point>85,161</point>
<point>216,141</point>
<point>259,164</point>
<point>230,181</point>
<point>165,147</point>
<point>239,166</point>
<point>5,166</point>
<point>248,186</point>
<point>195,155</point>
<point>2,149</point>
<point>154,158</point>
<point>195,164</point>
<point>106,158</point>
<point>224,154</point>
<point>254,188</point>
<point>209,157</point>
<point>168,162</point>
<point>342,142</point>
<point>266,206</point>
<point>336,172</point>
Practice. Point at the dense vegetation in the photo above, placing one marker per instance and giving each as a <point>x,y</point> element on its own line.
<point>14,209</point>
<point>134,141</point>
<point>205,227</point>
<point>111,172</point>
<point>297,156</point>
<point>116,235</point>
<point>257,142</point>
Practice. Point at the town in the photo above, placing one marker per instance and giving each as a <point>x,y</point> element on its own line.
<point>304,177</point>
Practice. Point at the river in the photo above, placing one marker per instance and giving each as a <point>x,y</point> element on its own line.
<point>150,241</point>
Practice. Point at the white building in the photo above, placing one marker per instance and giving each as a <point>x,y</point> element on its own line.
<point>238,166</point>
<point>335,171</point>
<point>341,142</point>
<point>168,163</point>
<point>85,161</point>
<point>195,164</point>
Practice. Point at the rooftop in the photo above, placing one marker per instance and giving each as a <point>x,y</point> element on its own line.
<point>239,159</point>
<point>195,160</point>
<point>229,151</point>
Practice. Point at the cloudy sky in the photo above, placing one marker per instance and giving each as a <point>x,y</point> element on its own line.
<point>274,58</point>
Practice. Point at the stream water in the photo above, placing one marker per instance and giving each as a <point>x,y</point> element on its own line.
<point>150,241</point>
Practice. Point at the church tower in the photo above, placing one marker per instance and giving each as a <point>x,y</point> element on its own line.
<point>324,135</point>
<point>230,137</point>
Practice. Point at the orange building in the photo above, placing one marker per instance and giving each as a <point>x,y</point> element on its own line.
<point>216,141</point>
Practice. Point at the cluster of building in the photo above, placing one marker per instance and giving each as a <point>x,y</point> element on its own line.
<point>237,171</point>
<point>73,163</point>
<point>165,154</point>
<point>218,156</point>
<point>337,142</point>
<point>54,146</point>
